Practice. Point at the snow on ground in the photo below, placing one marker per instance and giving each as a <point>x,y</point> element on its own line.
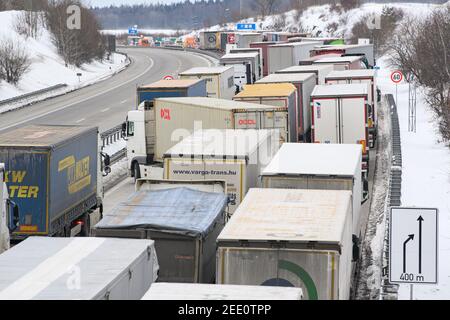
<point>425,178</point>
<point>119,171</point>
<point>166,32</point>
<point>47,67</point>
<point>115,147</point>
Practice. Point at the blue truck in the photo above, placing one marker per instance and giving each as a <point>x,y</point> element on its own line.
<point>53,174</point>
<point>171,88</point>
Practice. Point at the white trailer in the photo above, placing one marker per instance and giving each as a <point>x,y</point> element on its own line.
<point>80,268</point>
<point>305,83</point>
<point>287,237</point>
<point>365,51</point>
<point>219,80</point>
<point>343,63</point>
<point>244,50</point>
<point>318,166</point>
<point>201,291</point>
<point>190,114</point>
<point>285,55</point>
<point>321,71</point>
<point>246,67</point>
<point>340,115</point>
<point>360,76</point>
<point>243,39</point>
<point>236,156</point>
<point>4,214</point>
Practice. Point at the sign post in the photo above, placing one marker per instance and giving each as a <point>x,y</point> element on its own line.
<point>396,77</point>
<point>413,246</point>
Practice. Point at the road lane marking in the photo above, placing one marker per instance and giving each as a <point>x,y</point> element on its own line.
<point>104,110</point>
<point>122,102</point>
<point>83,100</point>
<point>81,120</point>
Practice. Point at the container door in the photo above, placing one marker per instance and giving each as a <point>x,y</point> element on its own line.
<point>353,120</point>
<point>325,121</point>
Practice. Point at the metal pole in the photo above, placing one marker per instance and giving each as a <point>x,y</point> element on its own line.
<point>396,101</point>
<point>410,292</point>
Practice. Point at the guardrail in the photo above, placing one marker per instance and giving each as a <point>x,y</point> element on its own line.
<point>111,136</point>
<point>389,291</point>
<point>32,94</point>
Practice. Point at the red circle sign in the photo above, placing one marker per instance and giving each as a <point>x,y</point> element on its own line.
<point>168,78</point>
<point>396,76</point>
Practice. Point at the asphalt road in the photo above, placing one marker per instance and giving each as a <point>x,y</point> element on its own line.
<point>106,103</point>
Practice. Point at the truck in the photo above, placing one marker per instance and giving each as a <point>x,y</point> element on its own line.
<point>219,80</point>
<point>275,94</point>
<point>148,138</point>
<point>245,50</point>
<point>319,166</point>
<point>184,219</point>
<point>264,46</point>
<point>209,40</point>
<point>361,76</point>
<point>80,268</point>
<point>246,68</point>
<point>54,175</point>
<point>305,83</point>
<point>236,156</point>
<point>243,39</point>
<point>340,115</point>
<point>9,214</point>
<point>365,51</point>
<point>285,55</point>
<point>321,70</point>
<point>171,88</point>
<point>343,63</point>
<point>201,291</point>
<point>290,237</point>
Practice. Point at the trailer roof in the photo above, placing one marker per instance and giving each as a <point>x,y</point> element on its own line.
<point>42,135</point>
<point>292,215</point>
<point>294,44</point>
<point>38,267</point>
<point>206,70</point>
<point>315,159</point>
<point>239,55</point>
<point>215,103</point>
<point>341,46</point>
<point>314,67</point>
<point>176,210</point>
<point>356,73</point>
<point>340,90</point>
<point>213,143</point>
<point>176,83</point>
<point>287,77</point>
<point>266,90</point>
<point>201,291</point>
<point>338,59</point>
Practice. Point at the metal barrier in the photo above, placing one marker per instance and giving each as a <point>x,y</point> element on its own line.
<point>32,94</point>
<point>389,291</point>
<point>111,136</point>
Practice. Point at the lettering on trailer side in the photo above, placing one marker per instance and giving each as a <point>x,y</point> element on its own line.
<point>20,191</point>
<point>78,176</point>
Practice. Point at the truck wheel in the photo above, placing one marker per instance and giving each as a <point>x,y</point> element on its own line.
<point>136,171</point>
<point>86,228</point>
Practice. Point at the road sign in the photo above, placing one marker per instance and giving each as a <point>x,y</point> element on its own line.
<point>168,78</point>
<point>397,76</point>
<point>132,30</point>
<point>246,26</point>
<point>413,245</point>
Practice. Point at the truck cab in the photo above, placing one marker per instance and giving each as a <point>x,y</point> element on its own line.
<point>9,213</point>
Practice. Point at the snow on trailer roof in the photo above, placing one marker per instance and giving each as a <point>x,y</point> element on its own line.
<point>201,291</point>
<point>313,67</point>
<point>286,77</point>
<point>340,90</point>
<point>37,268</point>
<point>205,70</point>
<point>314,159</point>
<point>292,215</point>
<point>266,90</point>
<point>211,143</point>
<point>230,56</point>
<point>175,210</point>
<point>176,83</point>
<point>341,46</point>
<point>216,103</point>
<point>42,135</point>
<point>338,59</point>
<point>294,44</point>
<point>356,73</point>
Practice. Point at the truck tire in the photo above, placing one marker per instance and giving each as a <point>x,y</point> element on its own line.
<point>86,228</point>
<point>136,171</point>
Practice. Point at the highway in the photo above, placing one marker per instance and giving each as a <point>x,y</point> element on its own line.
<point>106,103</point>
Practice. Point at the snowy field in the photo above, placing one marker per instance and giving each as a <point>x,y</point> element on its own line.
<point>426,178</point>
<point>48,68</point>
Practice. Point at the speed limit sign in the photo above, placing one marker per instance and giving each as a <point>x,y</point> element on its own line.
<point>168,77</point>
<point>396,76</point>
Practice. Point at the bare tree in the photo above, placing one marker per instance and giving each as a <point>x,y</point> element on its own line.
<point>14,61</point>
<point>29,24</point>
<point>266,7</point>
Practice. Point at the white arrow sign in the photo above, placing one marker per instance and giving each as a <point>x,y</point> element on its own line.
<point>413,245</point>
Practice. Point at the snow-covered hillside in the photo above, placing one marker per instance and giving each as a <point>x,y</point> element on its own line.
<point>47,67</point>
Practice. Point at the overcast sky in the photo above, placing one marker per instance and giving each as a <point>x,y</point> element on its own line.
<point>103,3</point>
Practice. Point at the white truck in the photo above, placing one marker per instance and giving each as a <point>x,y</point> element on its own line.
<point>9,213</point>
<point>340,115</point>
<point>285,55</point>
<point>343,63</point>
<point>246,67</point>
<point>292,238</point>
<point>321,71</point>
<point>236,156</point>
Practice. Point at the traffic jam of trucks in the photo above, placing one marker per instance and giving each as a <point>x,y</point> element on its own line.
<point>250,181</point>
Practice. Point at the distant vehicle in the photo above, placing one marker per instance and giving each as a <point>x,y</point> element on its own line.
<point>9,213</point>
<point>54,175</point>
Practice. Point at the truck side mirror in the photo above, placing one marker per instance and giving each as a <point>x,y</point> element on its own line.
<point>355,250</point>
<point>124,130</point>
<point>15,215</point>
